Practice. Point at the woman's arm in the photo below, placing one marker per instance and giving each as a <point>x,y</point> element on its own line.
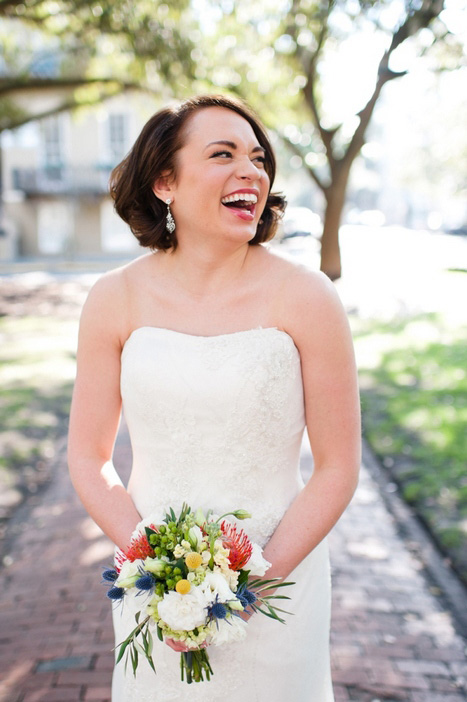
<point>318,324</point>
<point>95,411</point>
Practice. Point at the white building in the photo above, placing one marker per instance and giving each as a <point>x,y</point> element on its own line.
<point>55,181</point>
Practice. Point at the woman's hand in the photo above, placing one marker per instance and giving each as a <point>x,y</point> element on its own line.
<point>181,647</point>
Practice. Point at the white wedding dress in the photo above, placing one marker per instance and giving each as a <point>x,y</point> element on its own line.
<point>218,422</point>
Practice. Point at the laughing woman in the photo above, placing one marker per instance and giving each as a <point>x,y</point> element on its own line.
<point>222,353</point>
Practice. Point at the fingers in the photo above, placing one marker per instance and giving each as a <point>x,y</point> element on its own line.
<point>177,645</point>
<point>180,647</point>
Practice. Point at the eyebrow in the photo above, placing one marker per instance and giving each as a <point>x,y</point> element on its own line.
<point>232,145</point>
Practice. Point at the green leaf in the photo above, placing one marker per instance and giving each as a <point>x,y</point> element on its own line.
<point>138,648</point>
<point>243,578</point>
<point>275,597</point>
<point>121,652</point>
<point>134,659</point>
<point>272,615</point>
<point>150,644</point>
<point>151,663</point>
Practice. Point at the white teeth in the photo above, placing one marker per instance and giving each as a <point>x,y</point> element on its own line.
<point>246,197</point>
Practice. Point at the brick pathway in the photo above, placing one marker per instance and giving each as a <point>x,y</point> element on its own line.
<point>392,640</point>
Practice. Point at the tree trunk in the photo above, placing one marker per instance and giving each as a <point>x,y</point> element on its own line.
<point>330,250</point>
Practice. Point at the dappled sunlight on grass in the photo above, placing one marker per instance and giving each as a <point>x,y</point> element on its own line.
<point>37,371</point>
<point>414,400</point>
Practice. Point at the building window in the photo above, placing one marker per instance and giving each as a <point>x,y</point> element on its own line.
<point>118,136</point>
<point>52,147</point>
<point>55,227</point>
<point>116,236</point>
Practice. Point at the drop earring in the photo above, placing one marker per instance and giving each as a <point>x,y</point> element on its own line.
<point>170,222</point>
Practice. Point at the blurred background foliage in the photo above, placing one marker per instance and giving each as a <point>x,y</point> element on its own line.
<point>282,56</point>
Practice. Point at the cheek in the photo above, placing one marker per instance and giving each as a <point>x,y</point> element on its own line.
<point>265,184</point>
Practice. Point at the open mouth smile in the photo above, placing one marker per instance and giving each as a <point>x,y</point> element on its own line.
<point>242,204</point>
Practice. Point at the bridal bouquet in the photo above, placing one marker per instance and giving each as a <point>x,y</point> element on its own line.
<point>189,579</point>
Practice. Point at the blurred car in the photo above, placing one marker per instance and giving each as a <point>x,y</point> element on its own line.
<point>300,221</point>
<point>458,231</point>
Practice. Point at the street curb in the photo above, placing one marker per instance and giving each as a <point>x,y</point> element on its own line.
<point>420,543</point>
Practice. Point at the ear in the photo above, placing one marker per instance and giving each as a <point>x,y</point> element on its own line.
<point>164,186</point>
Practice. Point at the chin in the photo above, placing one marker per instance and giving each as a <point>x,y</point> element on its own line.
<point>241,235</point>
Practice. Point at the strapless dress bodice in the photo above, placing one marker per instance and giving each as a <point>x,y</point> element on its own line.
<point>216,421</point>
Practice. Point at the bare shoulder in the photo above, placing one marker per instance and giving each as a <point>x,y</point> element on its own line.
<point>107,309</point>
<point>297,284</point>
<point>310,307</point>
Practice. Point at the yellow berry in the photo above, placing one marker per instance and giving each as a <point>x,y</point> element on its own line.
<point>183,587</point>
<point>193,560</point>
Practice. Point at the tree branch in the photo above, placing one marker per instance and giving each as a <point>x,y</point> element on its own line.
<point>327,135</point>
<point>14,85</point>
<point>415,21</point>
<point>293,147</point>
<point>67,105</point>
<point>418,19</point>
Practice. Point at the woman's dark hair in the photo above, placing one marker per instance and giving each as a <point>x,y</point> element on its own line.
<point>154,153</point>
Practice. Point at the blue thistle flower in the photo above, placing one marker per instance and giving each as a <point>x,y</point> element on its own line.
<point>250,596</point>
<point>110,575</point>
<point>218,611</point>
<point>145,582</point>
<point>116,593</point>
<point>246,597</point>
<point>243,601</point>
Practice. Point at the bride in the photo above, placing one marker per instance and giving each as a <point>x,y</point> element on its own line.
<point>221,353</point>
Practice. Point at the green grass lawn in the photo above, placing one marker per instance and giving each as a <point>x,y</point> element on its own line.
<point>37,370</point>
<point>413,375</point>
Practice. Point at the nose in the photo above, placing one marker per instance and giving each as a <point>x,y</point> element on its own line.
<point>247,170</point>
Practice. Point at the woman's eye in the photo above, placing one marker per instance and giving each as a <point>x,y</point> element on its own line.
<point>261,159</point>
<point>221,153</point>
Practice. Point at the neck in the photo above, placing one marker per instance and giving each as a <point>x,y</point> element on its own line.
<point>203,271</point>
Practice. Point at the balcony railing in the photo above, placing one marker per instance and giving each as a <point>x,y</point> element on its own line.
<point>61,180</point>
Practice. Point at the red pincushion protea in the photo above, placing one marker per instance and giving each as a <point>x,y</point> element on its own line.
<point>238,543</point>
<point>140,548</point>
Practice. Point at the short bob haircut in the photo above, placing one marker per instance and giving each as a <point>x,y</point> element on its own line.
<point>154,153</point>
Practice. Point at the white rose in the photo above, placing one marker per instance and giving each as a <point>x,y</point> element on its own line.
<point>129,573</point>
<point>225,631</point>
<point>182,612</point>
<point>215,586</point>
<point>257,565</point>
